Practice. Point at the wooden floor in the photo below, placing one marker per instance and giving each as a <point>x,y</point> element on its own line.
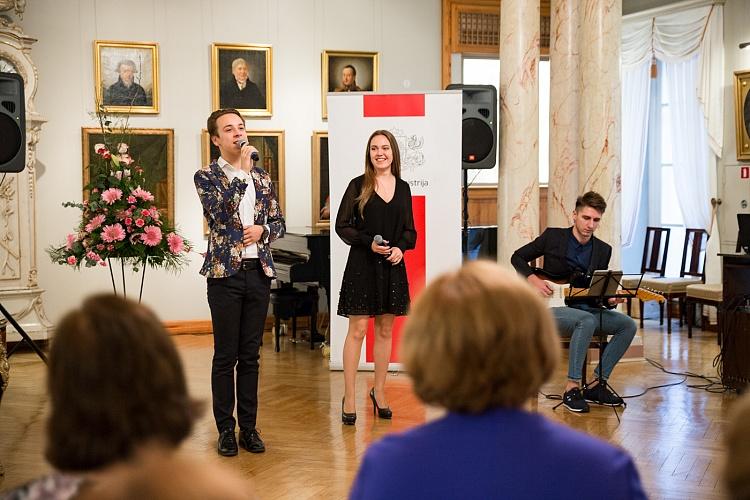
<point>674,433</point>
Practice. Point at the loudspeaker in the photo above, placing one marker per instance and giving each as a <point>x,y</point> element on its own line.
<point>479,126</point>
<point>12,123</point>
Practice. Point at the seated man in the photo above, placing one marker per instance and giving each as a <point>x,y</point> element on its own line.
<point>576,251</point>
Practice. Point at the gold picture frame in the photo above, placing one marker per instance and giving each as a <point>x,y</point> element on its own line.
<point>742,113</point>
<point>321,206</point>
<point>271,149</point>
<point>256,97</point>
<point>153,151</point>
<point>334,62</point>
<point>126,76</point>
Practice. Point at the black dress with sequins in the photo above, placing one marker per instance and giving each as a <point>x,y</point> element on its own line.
<point>371,285</point>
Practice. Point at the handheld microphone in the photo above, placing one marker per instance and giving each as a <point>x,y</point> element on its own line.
<point>254,155</point>
<point>379,241</point>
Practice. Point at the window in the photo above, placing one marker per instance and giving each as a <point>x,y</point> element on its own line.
<point>486,71</point>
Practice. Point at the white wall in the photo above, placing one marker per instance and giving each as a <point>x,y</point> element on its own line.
<point>731,189</point>
<point>406,33</point>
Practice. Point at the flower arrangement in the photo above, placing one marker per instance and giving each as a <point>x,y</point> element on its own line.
<point>119,219</point>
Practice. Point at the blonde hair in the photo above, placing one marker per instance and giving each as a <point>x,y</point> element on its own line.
<point>479,338</point>
<point>368,186</point>
<point>737,439</point>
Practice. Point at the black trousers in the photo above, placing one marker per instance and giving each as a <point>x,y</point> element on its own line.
<point>239,305</point>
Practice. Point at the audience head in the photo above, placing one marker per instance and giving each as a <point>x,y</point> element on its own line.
<point>737,439</point>
<point>479,338</point>
<point>116,384</point>
<point>593,200</point>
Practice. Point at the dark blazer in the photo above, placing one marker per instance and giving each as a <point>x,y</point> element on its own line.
<point>552,244</point>
<point>221,201</point>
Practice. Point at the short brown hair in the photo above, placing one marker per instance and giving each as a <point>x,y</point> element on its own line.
<point>479,338</point>
<point>591,199</point>
<point>115,382</point>
<point>213,130</point>
<point>737,440</point>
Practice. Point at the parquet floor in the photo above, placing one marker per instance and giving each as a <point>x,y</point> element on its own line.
<point>674,433</point>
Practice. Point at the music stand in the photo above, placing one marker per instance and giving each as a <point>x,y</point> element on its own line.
<point>24,336</point>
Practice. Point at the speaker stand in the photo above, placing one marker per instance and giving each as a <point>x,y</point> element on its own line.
<point>465,201</point>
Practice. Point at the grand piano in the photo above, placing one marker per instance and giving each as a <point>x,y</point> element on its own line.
<point>303,258</point>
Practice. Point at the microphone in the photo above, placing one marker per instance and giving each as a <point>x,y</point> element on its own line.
<point>379,241</point>
<point>254,155</point>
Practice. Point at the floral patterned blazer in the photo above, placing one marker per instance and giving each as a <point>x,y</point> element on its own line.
<point>221,201</point>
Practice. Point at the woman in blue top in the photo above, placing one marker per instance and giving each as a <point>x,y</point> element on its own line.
<point>480,342</point>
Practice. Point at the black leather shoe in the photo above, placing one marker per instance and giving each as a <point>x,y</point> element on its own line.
<point>227,446</point>
<point>384,413</point>
<point>347,418</point>
<point>251,441</point>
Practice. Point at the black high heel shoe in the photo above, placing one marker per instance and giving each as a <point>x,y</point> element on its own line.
<point>347,418</point>
<point>384,413</point>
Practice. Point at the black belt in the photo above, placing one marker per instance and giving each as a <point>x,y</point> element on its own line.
<point>249,264</point>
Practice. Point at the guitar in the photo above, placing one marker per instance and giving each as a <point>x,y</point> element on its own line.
<point>562,290</point>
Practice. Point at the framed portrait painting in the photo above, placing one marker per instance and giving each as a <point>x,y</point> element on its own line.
<point>152,149</point>
<point>348,72</point>
<point>321,203</point>
<point>742,113</point>
<point>270,146</point>
<point>127,76</point>
<point>241,78</point>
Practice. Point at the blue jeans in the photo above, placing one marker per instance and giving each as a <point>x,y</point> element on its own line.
<point>580,323</point>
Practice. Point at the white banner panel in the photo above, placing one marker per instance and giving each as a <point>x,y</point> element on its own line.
<point>427,127</point>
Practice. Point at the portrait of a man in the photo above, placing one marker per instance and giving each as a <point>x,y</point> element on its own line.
<point>348,72</point>
<point>127,77</point>
<point>348,80</point>
<point>125,91</point>
<point>242,78</point>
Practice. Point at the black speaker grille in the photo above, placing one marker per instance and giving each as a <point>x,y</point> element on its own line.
<point>11,138</point>
<point>484,112</point>
<point>477,140</point>
<point>10,106</point>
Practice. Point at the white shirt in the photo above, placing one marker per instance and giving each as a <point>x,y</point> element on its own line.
<point>247,205</point>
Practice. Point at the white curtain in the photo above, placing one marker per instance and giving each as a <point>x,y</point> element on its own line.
<point>635,106</point>
<point>690,152</point>
<point>690,34</point>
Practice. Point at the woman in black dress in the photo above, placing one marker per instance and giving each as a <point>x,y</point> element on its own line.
<point>376,220</point>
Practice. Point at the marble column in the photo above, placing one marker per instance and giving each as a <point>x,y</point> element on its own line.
<point>518,184</point>
<point>599,121</point>
<point>563,120</point>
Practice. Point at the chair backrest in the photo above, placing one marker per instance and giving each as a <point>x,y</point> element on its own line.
<point>694,253</point>
<point>655,250</point>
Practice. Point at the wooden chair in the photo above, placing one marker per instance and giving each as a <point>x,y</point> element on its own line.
<point>654,262</point>
<point>704,294</point>
<point>692,272</point>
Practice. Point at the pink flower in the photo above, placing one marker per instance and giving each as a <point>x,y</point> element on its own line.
<point>175,243</point>
<point>110,247</point>
<point>72,260</point>
<point>142,194</point>
<point>154,213</point>
<point>103,263</point>
<point>128,221</point>
<point>112,233</point>
<point>140,222</point>
<point>69,240</point>
<point>111,195</point>
<point>132,199</point>
<point>145,212</point>
<point>95,190</point>
<point>126,159</point>
<point>151,235</point>
<point>95,223</point>
<point>100,247</point>
<point>99,148</point>
<point>93,256</point>
<point>106,155</point>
